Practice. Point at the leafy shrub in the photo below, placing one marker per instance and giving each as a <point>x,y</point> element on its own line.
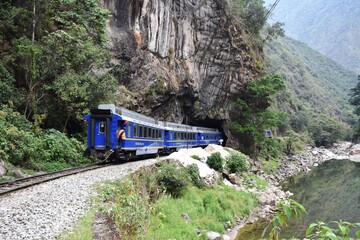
<point>321,230</point>
<point>24,145</point>
<point>193,171</point>
<point>237,163</point>
<point>196,157</point>
<point>216,161</point>
<point>272,148</point>
<point>172,179</point>
<point>130,210</point>
<point>146,181</point>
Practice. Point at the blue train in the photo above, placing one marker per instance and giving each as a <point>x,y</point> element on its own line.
<point>143,135</point>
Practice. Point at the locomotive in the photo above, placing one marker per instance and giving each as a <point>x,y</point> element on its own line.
<point>143,135</point>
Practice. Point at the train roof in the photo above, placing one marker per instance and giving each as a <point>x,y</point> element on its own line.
<point>139,118</point>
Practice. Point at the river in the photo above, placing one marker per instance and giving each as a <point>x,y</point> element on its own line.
<point>329,192</point>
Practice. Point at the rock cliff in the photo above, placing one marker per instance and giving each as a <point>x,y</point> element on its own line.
<point>179,60</point>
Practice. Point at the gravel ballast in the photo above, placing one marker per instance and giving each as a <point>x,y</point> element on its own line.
<point>44,211</point>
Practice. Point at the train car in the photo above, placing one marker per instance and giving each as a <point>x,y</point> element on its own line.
<point>143,135</point>
<point>208,136</point>
<point>179,136</point>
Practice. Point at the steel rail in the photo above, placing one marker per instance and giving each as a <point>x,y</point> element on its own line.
<point>26,182</point>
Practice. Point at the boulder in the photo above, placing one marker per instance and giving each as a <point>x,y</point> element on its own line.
<point>235,179</point>
<point>212,148</point>
<point>213,236</point>
<point>186,217</point>
<point>226,237</point>
<point>200,152</point>
<point>208,174</point>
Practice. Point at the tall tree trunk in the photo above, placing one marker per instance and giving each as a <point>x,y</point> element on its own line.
<point>34,22</point>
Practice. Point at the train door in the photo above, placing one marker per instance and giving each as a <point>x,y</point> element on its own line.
<point>99,124</point>
<point>100,133</point>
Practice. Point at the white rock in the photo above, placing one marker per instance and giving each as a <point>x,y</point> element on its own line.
<point>183,157</point>
<point>212,148</point>
<point>226,237</point>
<point>213,236</point>
<point>200,152</point>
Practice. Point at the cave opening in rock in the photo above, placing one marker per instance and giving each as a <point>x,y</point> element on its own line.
<point>209,123</point>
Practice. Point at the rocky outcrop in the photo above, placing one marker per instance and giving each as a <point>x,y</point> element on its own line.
<point>182,60</point>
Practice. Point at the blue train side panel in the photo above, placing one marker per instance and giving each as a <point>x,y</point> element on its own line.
<point>143,135</point>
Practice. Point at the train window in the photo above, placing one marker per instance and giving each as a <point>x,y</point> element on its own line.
<point>135,130</point>
<point>102,127</point>
<point>129,130</point>
<point>159,134</point>
<point>152,133</point>
<point>141,131</point>
<point>146,132</point>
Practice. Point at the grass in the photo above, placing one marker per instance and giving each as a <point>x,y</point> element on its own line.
<point>260,183</point>
<point>208,209</point>
<point>270,166</point>
<point>83,229</point>
<point>143,209</point>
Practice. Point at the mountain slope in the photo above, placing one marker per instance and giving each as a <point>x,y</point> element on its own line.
<point>315,84</point>
<point>328,26</point>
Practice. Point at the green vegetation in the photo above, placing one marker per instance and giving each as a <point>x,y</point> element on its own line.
<point>173,180</point>
<point>316,94</point>
<point>321,24</point>
<point>216,161</point>
<point>314,83</point>
<point>24,144</point>
<point>320,230</point>
<point>355,101</point>
<point>236,163</point>
<point>54,67</point>
<point>196,157</point>
<point>55,53</point>
<point>286,209</point>
<point>289,208</point>
<point>252,14</point>
<point>143,208</point>
<point>208,209</point>
<point>81,230</point>
<point>255,115</point>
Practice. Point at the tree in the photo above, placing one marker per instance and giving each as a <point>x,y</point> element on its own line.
<point>355,97</point>
<point>355,101</point>
<point>56,46</point>
<point>253,113</point>
<point>325,130</point>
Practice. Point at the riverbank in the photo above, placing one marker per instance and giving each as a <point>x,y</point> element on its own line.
<point>290,166</point>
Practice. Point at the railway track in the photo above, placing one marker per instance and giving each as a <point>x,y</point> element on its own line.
<point>21,183</point>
